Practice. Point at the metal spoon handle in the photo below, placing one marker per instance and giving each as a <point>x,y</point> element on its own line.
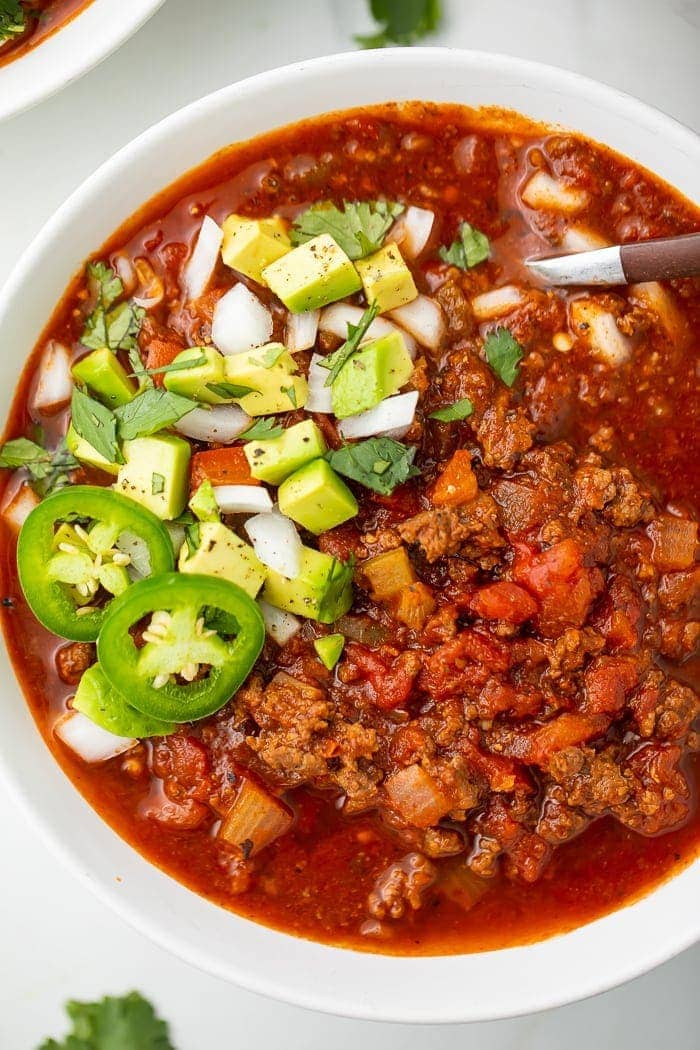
<point>654,260</point>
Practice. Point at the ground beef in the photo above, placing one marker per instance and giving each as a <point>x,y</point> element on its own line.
<point>73,660</point>
<point>401,886</point>
<point>472,530</point>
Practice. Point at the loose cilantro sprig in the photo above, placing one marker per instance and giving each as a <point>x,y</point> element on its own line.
<point>503,354</point>
<point>96,424</point>
<point>402,22</point>
<point>359,229</point>
<point>379,463</point>
<point>356,333</point>
<point>174,366</point>
<point>471,248</point>
<point>150,411</point>
<point>451,413</point>
<point>108,325</point>
<point>48,470</point>
<point>12,19</point>
<point>262,429</point>
<point>128,1022</point>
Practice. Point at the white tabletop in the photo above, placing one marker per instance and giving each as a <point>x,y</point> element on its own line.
<point>56,941</point>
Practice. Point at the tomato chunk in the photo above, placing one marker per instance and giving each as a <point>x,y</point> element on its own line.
<point>221,466</point>
<point>558,578</point>
<point>504,601</point>
<point>457,484</point>
<point>161,352</point>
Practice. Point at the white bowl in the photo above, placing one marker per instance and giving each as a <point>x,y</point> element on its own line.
<point>69,52</point>
<point>453,988</point>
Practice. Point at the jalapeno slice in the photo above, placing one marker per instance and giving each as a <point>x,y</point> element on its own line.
<point>202,637</point>
<point>69,558</point>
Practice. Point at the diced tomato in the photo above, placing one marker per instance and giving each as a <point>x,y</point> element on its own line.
<point>619,616</point>
<point>607,681</point>
<point>341,542</point>
<point>457,484</point>
<point>392,682</point>
<point>501,773</point>
<point>401,504</point>
<point>182,757</point>
<point>161,352</point>
<point>561,582</point>
<point>464,664</point>
<point>536,746</point>
<point>499,698</point>
<point>221,466</point>
<point>503,601</point>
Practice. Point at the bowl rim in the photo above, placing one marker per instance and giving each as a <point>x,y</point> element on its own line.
<point>69,52</point>
<point>404,1006</point>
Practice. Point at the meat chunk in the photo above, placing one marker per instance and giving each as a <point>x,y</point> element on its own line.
<point>73,660</point>
<point>504,433</point>
<point>401,886</point>
<point>471,530</point>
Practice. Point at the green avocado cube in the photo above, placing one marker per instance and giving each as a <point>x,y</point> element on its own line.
<point>316,498</point>
<point>380,369</point>
<point>198,380</point>
<point>322,591</point>
<point>386,279</point>
<point>102,372</point>
<point>275,459</point>
<point>220,552</point>
<point>103,705</point>
<point>84,452</point>
<point>312,275</point>
<point>329,648</point>
<point>156,474</point>
<point>270,373</point>
<point>250,245</point>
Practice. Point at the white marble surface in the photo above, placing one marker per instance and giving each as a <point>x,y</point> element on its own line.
<point>55,940</point>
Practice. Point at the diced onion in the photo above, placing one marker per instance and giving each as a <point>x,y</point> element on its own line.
<point>302,330</point>
<point>242,499</point>
<point>657,301</point>
<point>335,319</point>
<point>256,818</point>
<point>200,266</point>
<point>545,193</point>
<point>597,327</point>
<point>412,230</point>
<point>54,387</point>
<point>138,552</point>
<point>220,423</point>
<point>276,542</point>
<point>391,417</point>
<point>496,303</point>
<point>90,742</point>
<point>240,321</point>
<point>151,287</point>
<point>125,269</point>
<point>582,239</point>
<point>281,626</point>
<point>19,507</point>
<point>423,319</point>
<point>319,397</point>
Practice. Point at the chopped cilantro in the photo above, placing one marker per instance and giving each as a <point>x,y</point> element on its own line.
<point>192,538</point>
<point>359,229</point>
<point>470,248</point>
<point>262,429</point>
<point>157,484</point>
<point>402,22</point>
<point>291,394</point>
<point>108,325</point>
<point>449,413</point>
<point>11,19</point>
<point>379,463</point>
<point>233,390</point>
<point>503,354</point>
<point>47,470</point>
<point>150,411</point>
<point>174,366</point>
<point>356,333</point>
<point>96,424</point>
<point>128,1022</point>
<point>270,357</point>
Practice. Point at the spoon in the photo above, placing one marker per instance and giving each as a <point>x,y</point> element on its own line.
<point>654,260</point>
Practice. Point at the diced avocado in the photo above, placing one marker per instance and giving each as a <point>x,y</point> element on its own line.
<point>315,497</point>
<point>271,373</point>
<point>103,705</point>
<point>252,244</point>
<point>329,649</point>
<point>105,376</point>
<point>386,279</point>
<point>203,504</point>
<point>155,474</point>
<point>197,381</point>
<point>322,591</point>
<point>313,275</point>
<point>275,459</point>
<point>83,451</point>
<point>375,372</point>
<point>220,552</point>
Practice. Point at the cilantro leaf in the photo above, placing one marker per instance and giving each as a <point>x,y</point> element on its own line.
<point>125,1023</point>
<point>47,470</point>
<point>356,333</point>
<point>150,411</point>
<point>503,354</point>
<point>174,366</point>
<point>403,22</point>
<point>263,429</point>
<point>234,390</point>
<point>379,463</point>
<point>471,248</point>
<point>157,483</point>
<point>359,229</point>
<point>449,413</point>
<point>112,326</point>
<point>21,452</point>
<point>96,424</point>
<point>11,19</point>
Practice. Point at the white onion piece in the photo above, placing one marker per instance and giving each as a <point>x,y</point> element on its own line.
<point>90,742</point>
<point>423,319</point>
<point>412,231</point>
<point>276,542</point>
<point>302,330</point>
<point>242,499</point>
<point>319,398</point>
<point>19,507</point>
<point>281,626</point>
<point>137,549</point>
<point>545,193</point>
<point>496,303</point>
<point>582,239</point>
<point>176,533</point>
<point>220,423</point>
<point>54,387</point>
<point>655,299</point>
<point>386,418</point>
<point>598,328</point>
<point>125,270</point>
<point>335,319</point>
<point>200,266</point>
<point>240,321</point>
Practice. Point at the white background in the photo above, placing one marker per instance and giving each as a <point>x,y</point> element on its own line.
<point>56,941</point>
